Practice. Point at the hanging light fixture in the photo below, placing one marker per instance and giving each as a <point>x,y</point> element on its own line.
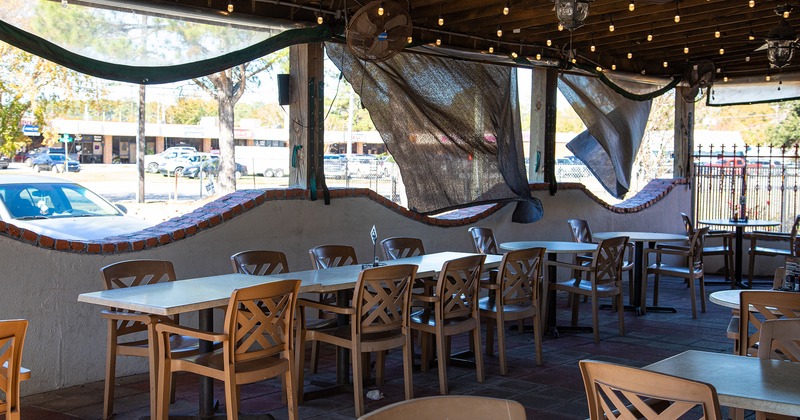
<point>230,6</point>
<point>677,12</point>
<point>751,3</point>
<point>722,50</point>
<point>572,13</point>
<point>611,24</point>
<point>614,65</point>
<point>631,6</point>
<point>506,9</point>
<point>751,36</point>
<point>686,46</point>
<point>499,32</point>
<point>380,9</point>
<point>650,33</point>
<point>592,47</point>
<point>717,32</point>
<point>781,42</point>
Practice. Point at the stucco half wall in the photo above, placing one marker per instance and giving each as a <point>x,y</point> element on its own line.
<point>65,345</point>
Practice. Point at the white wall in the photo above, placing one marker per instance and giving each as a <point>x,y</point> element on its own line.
<point>65,345</point>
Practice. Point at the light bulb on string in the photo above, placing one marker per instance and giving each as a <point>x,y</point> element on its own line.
<point>230,6</point>
<point>599,69</point>
<point>560,27</point>
<point>380,9</point>
<point>677,13</point>
<point>768,78</point>
<point>506,9</point>
<point>631,6</point>
<point>613,66</point>
<point>747,59</point>
<point>538,56</point>
<point>717,33</point>
<point>64,3</point>
<point>611,24</point>
<point>665,64</point>
<point>592,47</point>
<point>514,55</point>
<point>438,41</point>
<point>630,55</point>
<point>441,21</point>
<point>722,50</point>
<point>725,79</point>
<point>499,32</point>
<point>649,37</point>
<point>549,42</point>
<point>409,40</point>
<point>320,20</point>
<point>751,3</point>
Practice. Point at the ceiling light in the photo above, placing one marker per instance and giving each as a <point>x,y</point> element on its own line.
<point>630,55</point>
<point>538,56</point>
<point>572,13</point>
<point>438,41</point>
<point>611,25</point>
<point>514,55</point>
<point>751,3</point>
<point>677,13</point>
<point>781,42</point>
<point>722,50</point>
<point>717,33</point>
<point>409,40</point>
<point>768,78</point>
<point>499,32</point>
<point>320,20</point>
<point>549,42</point>
<point>665,64</point>
<point>614,66</point>
<point>380,9</point>
<point>230,6</point>
<point>491,50</point>
<point>631,6</point>
<point>560,26</point>
<point>725,79</point>
<point>592,47</point>
<point>441,21</point>
<point>599,69</point>
<point>686,49</point>
<point>505,9</point>
<point>649,37</point>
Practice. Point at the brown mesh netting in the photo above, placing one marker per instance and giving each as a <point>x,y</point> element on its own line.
<point>453,127</point>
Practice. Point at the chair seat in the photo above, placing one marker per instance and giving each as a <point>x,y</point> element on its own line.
<point>717,250</point>
<point>179,344</point>
<point>770,251</point>
<point>24,373</point>
<point>342,336</point>
<point>487,304</point>
<point>678,271</point>
<point>427,322</point>
<point>585,287</point>
<point>215,360</point>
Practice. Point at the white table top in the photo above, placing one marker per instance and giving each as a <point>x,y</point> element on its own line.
<point>551,246</point>
<point>748,223</point>
<point>726,298</point>
<point>741,381</point>
<point>188,295</point>
<point>641,236</point>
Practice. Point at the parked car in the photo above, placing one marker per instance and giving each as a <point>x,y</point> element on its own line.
<point>30,155</point>
<point>4,162</point>
<point>210,167</point>
<point>61,209</point>
<point>335,166</point>
<point>362,166</point>
<point>55,163</point>
<point>152,162</point>
<point>175,166</point>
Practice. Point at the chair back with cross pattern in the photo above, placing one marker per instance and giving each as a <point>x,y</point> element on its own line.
<point>780,340</point>
<point>483,240</point>
<point>327,256</point>
<point>457,288</point>
<point>132,273</point>
<point>607,261</point>
<point>259,262</point>
<point>580,230</point>
<point>622,392</point>
<point>758,306</point>
<point>696,243</point>
<point>519,276</point>
<point>12,340</point>
<point>382,299</point>
<point>259,321</point>
<point>400,247</point>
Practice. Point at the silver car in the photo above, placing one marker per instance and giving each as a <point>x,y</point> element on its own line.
<point>61,209</point>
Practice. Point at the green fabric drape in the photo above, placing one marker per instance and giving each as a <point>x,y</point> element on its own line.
<point>158,74</point>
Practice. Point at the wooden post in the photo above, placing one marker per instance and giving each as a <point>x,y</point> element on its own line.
<point>306,63</point>
<point>551,99</point>
<point>536,146</point>
<point>684,136</point>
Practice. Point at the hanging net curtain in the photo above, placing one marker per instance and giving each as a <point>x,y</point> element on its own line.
<point>452,126</point>
<point>124,43</point>
<point>615,126</point>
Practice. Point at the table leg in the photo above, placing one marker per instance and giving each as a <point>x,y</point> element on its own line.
<point>552,328</point>
<point>342,359</point>
<point>206,323</point>
<point>737,265</point>
<point>638,303</point>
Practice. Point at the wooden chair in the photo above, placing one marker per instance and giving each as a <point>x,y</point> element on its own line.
<point>758,306</point>
<point>733,325</point>
<point>693,270</point>
<point>725,249</point>
<point>516,297</point>
<point>603,279</point>
<point>453,310</point>
<point>12,341</point>
<point>790,239</point>
<point>583,234</point>
<point>124,326</point>
<point>450,406</point>
<point>401,247</point>
<point>622,392</point>
<point>483,240</point>
<point>259,262</point>
<point>257,344</point>
<point>379,321</point>
<point>322,257</point>
<point>780,340</point>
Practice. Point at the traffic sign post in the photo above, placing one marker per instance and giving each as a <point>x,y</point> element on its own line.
<point>65,138</point>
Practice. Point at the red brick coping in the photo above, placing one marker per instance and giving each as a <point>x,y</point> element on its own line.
<point>232,205</point>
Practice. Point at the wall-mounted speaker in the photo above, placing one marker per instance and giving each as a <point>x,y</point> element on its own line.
<point>283,89</point>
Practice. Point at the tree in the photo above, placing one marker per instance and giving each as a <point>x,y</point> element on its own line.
<point>787,133</point>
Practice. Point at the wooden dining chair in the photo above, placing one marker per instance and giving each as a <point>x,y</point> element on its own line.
<point>259,262</point>
<point>725,249</point>
<point>517,296</point>
<point>379,321</point>
<point>401,247</point>
<point>581,233</point>
<point>453,309</point>
<point>257,344</point>
<point>602,278</point>
<point>622,392</point>
<point>322,257</point>
<point>732,331</point>
<point>133,333</point>
<point>692,270</point>
<point>12,341</point>
<point>775,239</point>
<point>483,240</point>
<point>780,340</point>
<point>450,406</point>
<point>758,306</point>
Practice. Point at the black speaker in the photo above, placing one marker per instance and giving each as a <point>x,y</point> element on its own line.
<point>283,89</point>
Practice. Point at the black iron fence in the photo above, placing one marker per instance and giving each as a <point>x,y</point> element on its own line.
<point>759,182</point>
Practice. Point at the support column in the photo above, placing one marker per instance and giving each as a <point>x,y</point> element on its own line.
<point>536,146</point>
<point>206,145</point>
<point>159,145</point>
<point>684,136</point>
<point>108,149</point>
<point>306,63</point>
<point>551,98</point>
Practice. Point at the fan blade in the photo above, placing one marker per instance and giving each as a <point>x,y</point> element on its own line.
<point>761,48</point>
<point>395,22</point>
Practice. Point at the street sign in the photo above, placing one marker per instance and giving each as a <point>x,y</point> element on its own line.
<point>65,138</point>
<point>30,130</point>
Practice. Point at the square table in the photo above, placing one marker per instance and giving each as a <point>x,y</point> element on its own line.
<point>741,381</point>
<point>205,293</point>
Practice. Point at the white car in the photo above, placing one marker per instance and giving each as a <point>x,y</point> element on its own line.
<point>152,162</point>
<point>62,209</point>
<point>174,166</point>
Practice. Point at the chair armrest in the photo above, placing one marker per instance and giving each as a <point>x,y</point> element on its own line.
<point>679,252</point>
<point>325,307</point>
<point>130,317</point>
<point>720,234</point>
<point>171,328</point>
<point>769,236</point>
<point>673,247</point>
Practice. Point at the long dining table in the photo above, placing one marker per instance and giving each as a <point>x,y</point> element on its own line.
<point>202,294</point>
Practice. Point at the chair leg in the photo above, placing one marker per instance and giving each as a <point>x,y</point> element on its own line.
<point>501,342</point>
<point>702,293</point>
<point>441,349</point>
<point>358,381</point>
<point>537,337</point>
<point>575,307</point>
<point>490,338</point>
<point>751,267</point>
<point>621,314</point>
<point>231,402</point>
<point>162,396</point>
<point>408,365</point>
<point>380,366</point>
<point>655,289</point>
<point>314,356</point>
<point>595,320</point>
<point>476,338</point>
<point>425,355</point>
<point>289,390</point>
<point>300,359</point>
<point>693,298</point>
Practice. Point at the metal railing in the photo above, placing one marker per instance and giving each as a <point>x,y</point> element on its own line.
<point>767,178</point>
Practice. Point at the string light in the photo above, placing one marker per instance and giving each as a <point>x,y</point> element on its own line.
<point>538,56</point>
<point>717,33</point>
<point>514,55</point>
<point>751,36</point>
<point>611,25</point>
<point>64,3</point>
<point>725,79</point>
<point>722,50</point>
<point>505,9</point>
<point>650,33</point>
<point>614,66</point>
<point>631,6</point>
<point>747,59</point>
<point>592,47</point>
<point>380,9</point>
<point>560,26</point>
<point>768,78</point>
<point>438,41</point>
<point>409,40</point>
<point>666,64</point>
<point>751,3</point>
<point>491,49</point>
<point>677,13</point>
<point>441,20</point>
<point>786,12</point>
<point>499,32</point>
<point>599,69</point>
<point>630,55</point>
<point>320,20</point>
<point>230,6</point>
<point>549,42</point>
<point>686,46</point>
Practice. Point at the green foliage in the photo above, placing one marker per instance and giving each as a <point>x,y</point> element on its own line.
<point>787,132</point>
<point>190,111</point>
